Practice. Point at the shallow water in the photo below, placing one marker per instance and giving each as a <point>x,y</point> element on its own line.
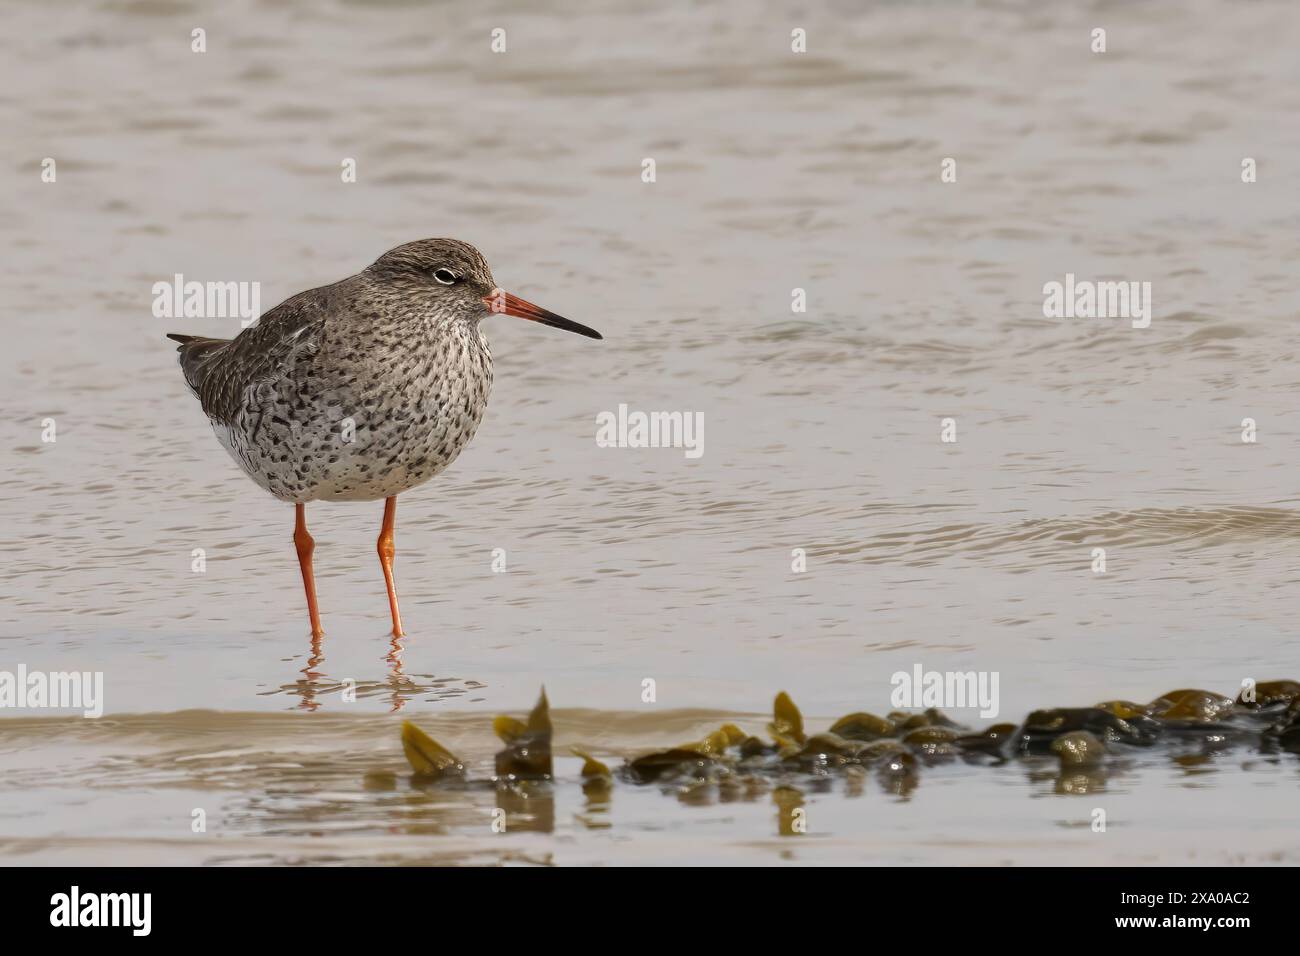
<point>337,792</point>
<point>775,171</point>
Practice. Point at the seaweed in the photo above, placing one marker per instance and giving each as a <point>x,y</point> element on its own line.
<point>527,754</point>
<point>428,758</point>
<point>1086,742</point>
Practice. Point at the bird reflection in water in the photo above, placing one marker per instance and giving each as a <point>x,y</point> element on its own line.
<point>401,687</point>
<point>312,685</point>
<point>308,686</point>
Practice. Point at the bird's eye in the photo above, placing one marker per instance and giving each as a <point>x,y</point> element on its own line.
<point>445,276</point>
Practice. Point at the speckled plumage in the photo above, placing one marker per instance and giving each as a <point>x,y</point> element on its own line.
<point>392,350</point>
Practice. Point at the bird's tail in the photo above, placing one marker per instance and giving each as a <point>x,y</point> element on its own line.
<point>196,355</point>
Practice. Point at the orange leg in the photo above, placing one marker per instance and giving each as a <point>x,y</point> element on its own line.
<point>306,545</point>
<point>387,551</point>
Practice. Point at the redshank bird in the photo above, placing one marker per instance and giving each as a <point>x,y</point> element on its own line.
<point>362,389</point>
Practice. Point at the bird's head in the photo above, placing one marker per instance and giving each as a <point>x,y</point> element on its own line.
<point>454,279</point>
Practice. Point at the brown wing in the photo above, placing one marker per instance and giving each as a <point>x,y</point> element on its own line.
<point>227,374</point>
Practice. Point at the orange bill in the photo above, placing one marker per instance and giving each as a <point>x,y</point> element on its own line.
<point>498,300</point>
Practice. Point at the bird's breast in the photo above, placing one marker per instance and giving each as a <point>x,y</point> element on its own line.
<point>422,407</point>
